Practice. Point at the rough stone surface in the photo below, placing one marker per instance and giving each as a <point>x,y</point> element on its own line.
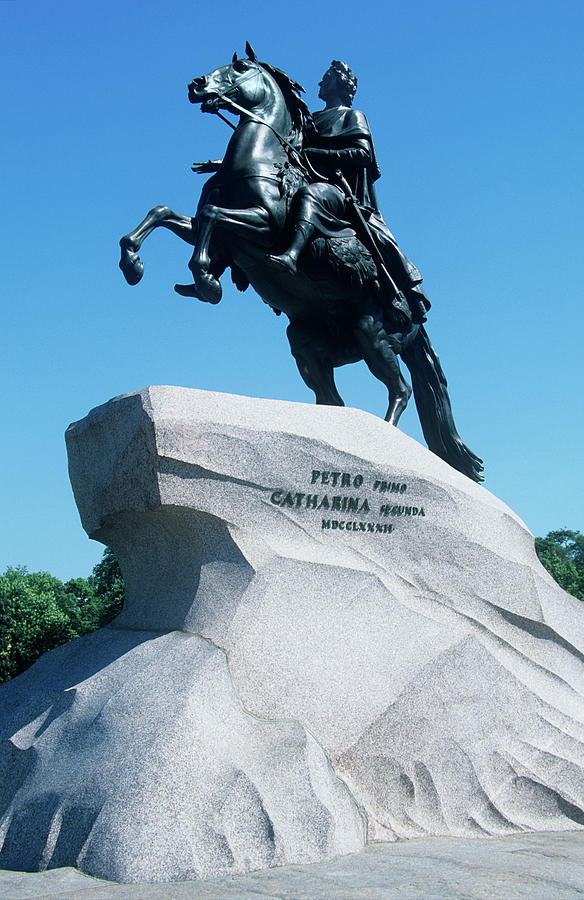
<point>282,674</point>
<point>517,867</point>
<point>130,756</point>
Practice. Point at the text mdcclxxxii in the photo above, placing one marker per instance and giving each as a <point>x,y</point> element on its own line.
<point>379,505</point>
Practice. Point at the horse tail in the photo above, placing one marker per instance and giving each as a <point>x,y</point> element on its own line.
<point>434,409</point>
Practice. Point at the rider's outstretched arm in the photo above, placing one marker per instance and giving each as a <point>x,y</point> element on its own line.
<point>204,168</point>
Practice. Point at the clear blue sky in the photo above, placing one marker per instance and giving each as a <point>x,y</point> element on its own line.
<point>477,112</point>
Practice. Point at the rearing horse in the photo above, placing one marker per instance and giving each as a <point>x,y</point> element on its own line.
<point>241,220</point>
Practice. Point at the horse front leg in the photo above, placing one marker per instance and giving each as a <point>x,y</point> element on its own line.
<point>161,216</point>
<point>253,224</point>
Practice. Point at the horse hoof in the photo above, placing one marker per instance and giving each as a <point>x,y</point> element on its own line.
<point>209,288</point>
<point>132,267</point>
<point>187,290</point>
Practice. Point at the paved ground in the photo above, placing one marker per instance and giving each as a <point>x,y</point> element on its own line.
<point>534,866</point>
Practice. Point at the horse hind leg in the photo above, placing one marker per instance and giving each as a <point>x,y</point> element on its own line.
<point>380,355</point>
<point>314,360</point>
<point>130,263</point>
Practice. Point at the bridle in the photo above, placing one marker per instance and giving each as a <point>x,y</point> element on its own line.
<point>221,94</point>
<point>257,70</point>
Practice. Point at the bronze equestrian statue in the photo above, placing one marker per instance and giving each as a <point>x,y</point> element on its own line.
<point>291,209</point>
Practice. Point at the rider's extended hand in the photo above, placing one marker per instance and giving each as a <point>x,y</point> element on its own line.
<point>203,168</point>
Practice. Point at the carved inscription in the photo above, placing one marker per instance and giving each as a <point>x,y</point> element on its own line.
<point>342,502</point>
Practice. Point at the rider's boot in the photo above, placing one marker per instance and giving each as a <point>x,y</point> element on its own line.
<point>288,260</point>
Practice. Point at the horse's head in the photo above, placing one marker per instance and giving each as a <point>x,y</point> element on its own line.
<point>242,81</point>
<point>250,83</point>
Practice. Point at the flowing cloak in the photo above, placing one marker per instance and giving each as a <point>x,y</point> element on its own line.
<point>344,133</point>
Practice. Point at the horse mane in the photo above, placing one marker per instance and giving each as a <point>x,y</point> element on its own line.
<point>301,115</point>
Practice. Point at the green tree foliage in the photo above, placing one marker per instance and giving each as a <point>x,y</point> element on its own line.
<point>38,612</point>
<point>562,553</point>
<point>108,585</point>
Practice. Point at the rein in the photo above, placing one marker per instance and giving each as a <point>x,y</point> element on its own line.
<point>303,163</point>
<point>234,87</point>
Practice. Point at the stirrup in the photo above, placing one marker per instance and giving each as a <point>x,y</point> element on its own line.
<point>285,262</point>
